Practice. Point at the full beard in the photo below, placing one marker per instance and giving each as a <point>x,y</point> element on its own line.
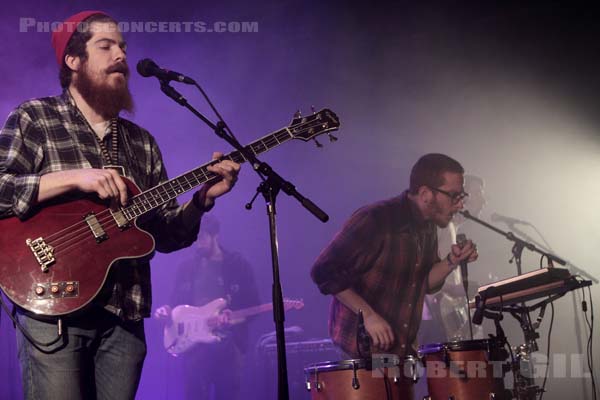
<point>105,99</point>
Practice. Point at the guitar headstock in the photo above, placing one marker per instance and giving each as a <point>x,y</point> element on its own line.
<point>310,126</point>
<point>288,304</point>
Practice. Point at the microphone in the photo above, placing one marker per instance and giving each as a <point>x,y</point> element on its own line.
<point>508,220</point>
<point>147,67</point>
<point>461,239</point>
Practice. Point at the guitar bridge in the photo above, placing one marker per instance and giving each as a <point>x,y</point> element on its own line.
<point>43,253</point>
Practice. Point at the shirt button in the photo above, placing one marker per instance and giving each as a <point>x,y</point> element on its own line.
<point>414,285</point>
<point>403,346</point>
<point>409,305</point>
<point>405,325</point>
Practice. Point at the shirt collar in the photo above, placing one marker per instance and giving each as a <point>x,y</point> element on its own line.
<point>414,214</point>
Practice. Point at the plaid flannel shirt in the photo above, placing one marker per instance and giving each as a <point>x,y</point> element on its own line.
<point>384,253</point>
<point>51,134</point>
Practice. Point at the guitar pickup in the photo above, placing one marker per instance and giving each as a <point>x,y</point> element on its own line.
<point>96,228</point>
<point>120,219</point>
<point>44,253</point>
<point>54,290</point>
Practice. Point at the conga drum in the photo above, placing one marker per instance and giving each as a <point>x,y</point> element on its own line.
<point>465,370</point>
<point>378,378</point>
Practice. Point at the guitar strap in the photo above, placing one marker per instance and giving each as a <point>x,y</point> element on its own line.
<point>111,158</point>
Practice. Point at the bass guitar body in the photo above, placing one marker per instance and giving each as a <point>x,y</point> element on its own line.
<point>56,261</point>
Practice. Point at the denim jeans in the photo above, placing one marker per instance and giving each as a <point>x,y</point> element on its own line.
<point>99,357</point>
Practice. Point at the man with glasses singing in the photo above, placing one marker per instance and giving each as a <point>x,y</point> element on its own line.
<point>385,259</point>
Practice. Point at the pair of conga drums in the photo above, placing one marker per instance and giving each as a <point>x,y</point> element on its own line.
<point>466,370</point>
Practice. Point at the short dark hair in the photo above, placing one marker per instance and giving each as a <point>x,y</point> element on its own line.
<point>76,45</point>
<point>428,171</point>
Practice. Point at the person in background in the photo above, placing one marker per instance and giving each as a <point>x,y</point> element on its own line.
<point>213,273</point>
<point>445,313</point>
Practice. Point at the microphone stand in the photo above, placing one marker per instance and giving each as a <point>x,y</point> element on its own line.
<point>574,269</point>
<point>525,388</point>
<point>269,188</point>
<point>519,244</point>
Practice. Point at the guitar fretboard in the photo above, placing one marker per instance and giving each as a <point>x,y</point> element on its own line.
<point>247,312</point>
<point>165,192</point>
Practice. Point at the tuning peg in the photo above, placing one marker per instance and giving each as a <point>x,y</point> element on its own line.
<point>332,138</point>
<point>312,108</point>
<point>297,114</point>
<point>319,145</point>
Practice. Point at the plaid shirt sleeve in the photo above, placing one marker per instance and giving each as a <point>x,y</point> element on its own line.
<point>351,253</point>
<point>21,155</point>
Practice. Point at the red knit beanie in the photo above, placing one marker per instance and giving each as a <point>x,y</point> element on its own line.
<point>63,32</point>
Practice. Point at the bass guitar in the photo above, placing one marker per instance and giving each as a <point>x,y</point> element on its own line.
<point>56,261</point>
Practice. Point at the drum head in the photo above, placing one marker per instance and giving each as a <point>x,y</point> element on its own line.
<point>352,364</point>
<point>357,363</point>
<point>465,345</point>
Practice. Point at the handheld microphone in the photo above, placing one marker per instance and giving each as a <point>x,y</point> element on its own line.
<point>147,67</point>
<point>461,239</point>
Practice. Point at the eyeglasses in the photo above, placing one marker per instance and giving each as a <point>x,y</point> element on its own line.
<point>454,197</point>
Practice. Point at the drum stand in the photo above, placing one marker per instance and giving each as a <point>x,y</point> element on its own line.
<point>523,369</point>
<point>501,339</point>
<point>524,385</point>
<point>521,365</point>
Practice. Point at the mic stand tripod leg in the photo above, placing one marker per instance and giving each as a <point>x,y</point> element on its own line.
<point>525,388</point>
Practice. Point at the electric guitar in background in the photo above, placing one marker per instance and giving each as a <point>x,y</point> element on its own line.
<point>189,325</point>
<point>56,261</point>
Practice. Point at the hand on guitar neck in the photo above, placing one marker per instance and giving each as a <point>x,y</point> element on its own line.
<point>224,319</point>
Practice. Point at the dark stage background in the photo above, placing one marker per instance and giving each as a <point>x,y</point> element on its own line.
<point>509,89</point>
